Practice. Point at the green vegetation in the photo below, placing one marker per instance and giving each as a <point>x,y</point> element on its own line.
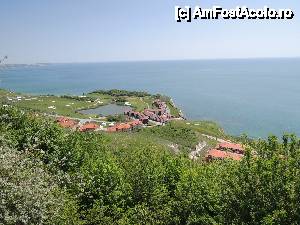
<point>183,135</point>
<point>61,105</point>
<point>203,127</point>
<point>119,93</point>
<point>116,118</point>
<point>79,98</point>
<point>54,176</point>
<point>29,193</point>
<point>173,110</point>
<point>120,100</point>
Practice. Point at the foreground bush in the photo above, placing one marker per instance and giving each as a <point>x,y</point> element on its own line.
<point>28,193</point>
<point>132,179</point>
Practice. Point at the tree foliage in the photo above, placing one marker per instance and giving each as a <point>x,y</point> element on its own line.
<point>28,193</point>
<point>121,93</point>
<point>51,174</point>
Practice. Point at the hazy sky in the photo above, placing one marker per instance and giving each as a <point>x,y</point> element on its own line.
<point>116,30</point>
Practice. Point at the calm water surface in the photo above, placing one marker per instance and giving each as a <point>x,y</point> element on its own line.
<point>257,97</point>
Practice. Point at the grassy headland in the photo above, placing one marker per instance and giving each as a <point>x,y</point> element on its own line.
<point>71,105</point>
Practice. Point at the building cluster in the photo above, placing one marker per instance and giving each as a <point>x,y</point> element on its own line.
<point>137,115</point>
<point>159,114</point>
<point>73,124</point>
<point>226,150</point>
<point>123,127</point>
<point>67,123</point>
<point>91,126</point>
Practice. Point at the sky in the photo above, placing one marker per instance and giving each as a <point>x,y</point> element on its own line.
<point>59,31</point>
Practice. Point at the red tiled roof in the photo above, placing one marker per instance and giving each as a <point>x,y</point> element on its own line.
<point>111,129</point>
<point>62,119</point>
<point>134,123</point>
<point>89,126</point>
<point>215,153</point>
<point>119,127</point>
<point>123,126</point>
<point>235,156</point>
<point>126,126</point>
<point>231,145</point>
<point>66,122</point>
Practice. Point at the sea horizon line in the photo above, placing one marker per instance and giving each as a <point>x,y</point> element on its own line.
<point>155,60</point>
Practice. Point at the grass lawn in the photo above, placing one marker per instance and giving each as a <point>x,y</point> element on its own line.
<point>61,105</point>
<point>202,127</point>
<point>102,97</point>
<point>139,104</point>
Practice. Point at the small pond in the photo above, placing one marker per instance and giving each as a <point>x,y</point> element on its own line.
<point>106,110</point>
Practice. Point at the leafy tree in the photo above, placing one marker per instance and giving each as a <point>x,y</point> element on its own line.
<point>121,93</point>
<point>263,189</point>
<point>28,193</point>
<point>116,118</point>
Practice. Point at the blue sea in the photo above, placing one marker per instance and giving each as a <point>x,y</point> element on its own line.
<point>253,96</point>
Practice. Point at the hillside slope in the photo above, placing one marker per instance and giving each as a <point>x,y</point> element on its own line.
<point>133,179</point>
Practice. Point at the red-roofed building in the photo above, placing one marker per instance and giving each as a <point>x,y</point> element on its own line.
<point>89,127</point>
<point>111,129</point>
<point>123,127</point>
<point>66,122</point>
<point>61,119</point>
<point>214,154</point>
<point>142,117</point>
<point>158,112</point>
<point>227,146</point>
<point>135,123</point>
<point>235,156</point>
<point>160,105</point>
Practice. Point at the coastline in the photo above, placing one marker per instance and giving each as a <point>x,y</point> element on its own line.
<point>230,102</point>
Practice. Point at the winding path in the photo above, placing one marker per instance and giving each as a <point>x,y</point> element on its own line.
<point>195,154</point>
